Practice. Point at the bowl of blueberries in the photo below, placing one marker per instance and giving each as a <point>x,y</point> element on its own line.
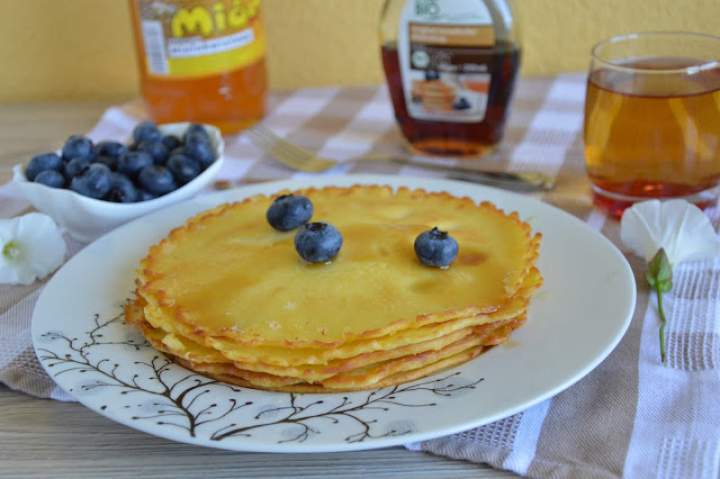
<point>90,188</point>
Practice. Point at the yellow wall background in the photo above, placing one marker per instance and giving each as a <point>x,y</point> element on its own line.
<point>83,49</point>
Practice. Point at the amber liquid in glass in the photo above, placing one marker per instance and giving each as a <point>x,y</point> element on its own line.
<point>652,135</point>
<point>459,139</point>
<point>232,101</point>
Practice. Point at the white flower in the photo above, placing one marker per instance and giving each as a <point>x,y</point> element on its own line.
<point>31,247</point>
<point>680,228</point>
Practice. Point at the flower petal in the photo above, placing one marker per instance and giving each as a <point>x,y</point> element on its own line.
<point>638,229</point>
<point>679,227</point>
<point>10,275</point>
<point>43,245</point>
<point>40,244</point>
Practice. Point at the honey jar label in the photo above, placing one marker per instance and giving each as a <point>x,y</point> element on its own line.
<point>440,45</point>
<point>196,38</point>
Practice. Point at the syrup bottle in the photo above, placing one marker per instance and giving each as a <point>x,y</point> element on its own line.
<point>451,67</point>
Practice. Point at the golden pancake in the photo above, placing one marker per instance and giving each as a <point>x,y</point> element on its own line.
<point>403,377</point>
<point>182,337</point>
<point>226,273</point>
<point>180,347</point>
<point>369,375</point>
<point>486,335</point>
<point>227,296</point>
<point>362,377</point>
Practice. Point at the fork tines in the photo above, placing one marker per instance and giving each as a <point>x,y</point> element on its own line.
<point>290,155</point>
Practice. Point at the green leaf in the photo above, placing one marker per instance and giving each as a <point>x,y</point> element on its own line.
<point>659,273</point>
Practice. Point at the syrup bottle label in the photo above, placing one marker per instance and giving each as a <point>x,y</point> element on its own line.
<point>438,42</point>
<point>196,38</point>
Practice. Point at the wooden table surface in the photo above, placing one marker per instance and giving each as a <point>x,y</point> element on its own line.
<point>42,438</point>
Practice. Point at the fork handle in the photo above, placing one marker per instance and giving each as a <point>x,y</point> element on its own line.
<point>526,181</point>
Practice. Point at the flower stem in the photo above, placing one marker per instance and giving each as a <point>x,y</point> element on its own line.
<point>663,321</point>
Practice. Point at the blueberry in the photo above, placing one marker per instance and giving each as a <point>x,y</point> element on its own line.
<point>122,189</point>
<point>146,131</point>
<point>461,104</point>
<point>199,149</point>
<point>197,138</point>
<point>157,180</point>
<point>431,75</point>
<point>95,182</point>
<point>196,130</point>
<point>436,248</point>
<point>75,167</point>
<point>110,149</point>
<point>50,178</point>
<point>288,212</point>
<point>145,196</point>
<point>318,242</point>
<point>108,161</point>
<point>183,168</point>
<point>78,147</point>
<point>180,150</point>
<point>40,163</point>
<point>171,142</point>
<point>156,149</point>
<point>132,162</point>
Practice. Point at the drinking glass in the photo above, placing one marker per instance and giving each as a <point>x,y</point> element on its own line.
<point>652,119</point>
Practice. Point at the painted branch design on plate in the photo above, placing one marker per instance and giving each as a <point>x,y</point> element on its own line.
<point>302,416</point>
<point>175,399</point>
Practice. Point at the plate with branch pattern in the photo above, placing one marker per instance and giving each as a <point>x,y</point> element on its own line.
<point>84,344</point>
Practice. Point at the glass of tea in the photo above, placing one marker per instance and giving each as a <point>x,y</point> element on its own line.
<point>652,119</point>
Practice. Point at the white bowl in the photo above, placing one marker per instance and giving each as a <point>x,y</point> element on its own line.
<point>87,218</point>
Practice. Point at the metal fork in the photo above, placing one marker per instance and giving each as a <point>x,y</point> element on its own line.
<point>308,161</point>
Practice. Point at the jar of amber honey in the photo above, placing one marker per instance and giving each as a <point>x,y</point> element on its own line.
<point>201,60</point>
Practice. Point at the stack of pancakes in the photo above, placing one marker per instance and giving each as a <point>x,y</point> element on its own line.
<point>227,296</point>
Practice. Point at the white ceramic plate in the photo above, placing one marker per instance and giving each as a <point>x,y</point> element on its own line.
<point>574,322</point>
